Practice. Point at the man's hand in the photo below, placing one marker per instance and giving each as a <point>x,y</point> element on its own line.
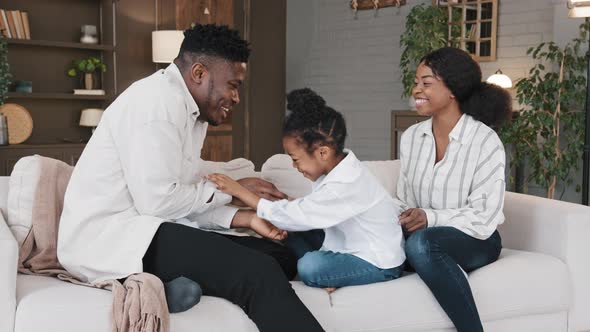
<point>225,184</point>
<point>261,188</point>
<point>413,219</point>
<point>266,229</point>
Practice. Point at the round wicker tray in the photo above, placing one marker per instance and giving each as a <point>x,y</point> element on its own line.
<point>20,122</point>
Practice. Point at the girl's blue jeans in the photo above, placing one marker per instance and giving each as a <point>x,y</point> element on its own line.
<point>318,268</point>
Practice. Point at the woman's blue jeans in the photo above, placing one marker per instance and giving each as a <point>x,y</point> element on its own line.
<point>436,254</point>
<point>318,268</point>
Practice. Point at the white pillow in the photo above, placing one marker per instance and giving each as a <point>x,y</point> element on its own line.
<point>236,169</point>
<point>279,170</point>
<point>387,172</point>
<point>21,193</point>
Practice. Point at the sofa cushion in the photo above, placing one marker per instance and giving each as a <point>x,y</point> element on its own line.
<point>279,170</point>
<point>21,192</point>
<point>519,284</point>
<point>48,304</point>
<point>236,169</point>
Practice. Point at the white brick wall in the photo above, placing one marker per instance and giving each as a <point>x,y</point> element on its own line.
<point>354,63</point>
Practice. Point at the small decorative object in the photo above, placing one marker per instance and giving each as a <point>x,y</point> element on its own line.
<point>93,92</point>
<point>19,121</point>
<point>89,35</point>
<point>90,117</point>
<point>23,86</point>
<point>88,67</point>
<point>375,4</point>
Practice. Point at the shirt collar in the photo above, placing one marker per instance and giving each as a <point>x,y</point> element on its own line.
<point>459,133</point>
<point>176,78</point>
<point>347,170</point>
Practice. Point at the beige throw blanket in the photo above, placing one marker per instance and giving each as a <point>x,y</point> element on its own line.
<point>139,305</point>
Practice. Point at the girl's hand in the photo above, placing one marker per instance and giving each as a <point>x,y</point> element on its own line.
<point>225,184</point>
<point>266,229</point>
<point>413,219</point>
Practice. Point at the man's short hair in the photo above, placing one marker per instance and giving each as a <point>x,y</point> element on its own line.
<point>215,40</point>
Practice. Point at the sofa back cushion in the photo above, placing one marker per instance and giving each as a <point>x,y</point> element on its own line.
<point>279,170</point>
<point>21,193</point>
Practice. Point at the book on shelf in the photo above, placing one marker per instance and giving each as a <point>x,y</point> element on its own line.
<point>93,92</point>
<point>11,25</point>
<point>15,24</point>
<point>25,18</point>
<point>18,23</point>
<point>4,24</point>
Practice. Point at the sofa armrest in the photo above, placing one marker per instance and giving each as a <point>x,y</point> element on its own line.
<point>559,229</point>
<point>8,262</point>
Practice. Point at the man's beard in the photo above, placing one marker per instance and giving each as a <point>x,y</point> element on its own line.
<point>208,102</point>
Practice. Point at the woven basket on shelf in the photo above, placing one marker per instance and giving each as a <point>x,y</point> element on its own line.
<point>19,121</point>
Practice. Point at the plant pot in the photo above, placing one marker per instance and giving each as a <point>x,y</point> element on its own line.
<point>88,81</point>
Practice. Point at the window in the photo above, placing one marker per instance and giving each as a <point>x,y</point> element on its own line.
<point>473,26</point>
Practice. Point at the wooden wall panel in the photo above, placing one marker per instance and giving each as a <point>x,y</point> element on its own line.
<point>189,11</point>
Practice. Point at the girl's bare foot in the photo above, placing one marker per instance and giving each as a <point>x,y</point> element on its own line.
<point>330,289</point>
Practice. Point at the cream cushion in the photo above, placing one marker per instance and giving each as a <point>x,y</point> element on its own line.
<point>22,186</point>
<point>279,170</point>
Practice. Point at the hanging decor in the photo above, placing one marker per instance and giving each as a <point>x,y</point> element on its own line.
<point>375,4</point>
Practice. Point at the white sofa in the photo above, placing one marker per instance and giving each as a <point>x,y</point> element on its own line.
<point>540,283</point>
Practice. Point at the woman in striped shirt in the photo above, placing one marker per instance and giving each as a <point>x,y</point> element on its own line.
<point>452,180</point>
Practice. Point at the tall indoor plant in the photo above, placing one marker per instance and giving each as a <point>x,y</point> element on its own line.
<point>426,30</point>
<point>4,70</point>
<point>548,133</point>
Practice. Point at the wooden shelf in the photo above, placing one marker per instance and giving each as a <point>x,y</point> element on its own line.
<point>43,146</point>
<point>53,95</point>
<point>48,43</point>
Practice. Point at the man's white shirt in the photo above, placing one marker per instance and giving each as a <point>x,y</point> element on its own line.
<point>142,167</point>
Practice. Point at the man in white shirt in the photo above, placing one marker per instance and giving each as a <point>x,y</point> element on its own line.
<point>142,170</point>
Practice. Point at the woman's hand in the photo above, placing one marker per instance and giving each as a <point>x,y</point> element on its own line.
<point>413,219</point>
<point>226,184</point>
<point>266,229</point>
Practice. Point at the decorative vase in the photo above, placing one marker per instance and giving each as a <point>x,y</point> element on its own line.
<point>88,81</point>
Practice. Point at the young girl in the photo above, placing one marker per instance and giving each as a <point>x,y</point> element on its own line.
<point>362,244</point>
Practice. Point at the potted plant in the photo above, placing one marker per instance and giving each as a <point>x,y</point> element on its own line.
<point>426,30</point>
<point>547,134</point>
<point>4,70</point>
<point>87,67</point>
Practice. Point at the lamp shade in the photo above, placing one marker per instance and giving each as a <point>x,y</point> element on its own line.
<point>90,117</point>
<point>500,80</point>
<point>165,45</point>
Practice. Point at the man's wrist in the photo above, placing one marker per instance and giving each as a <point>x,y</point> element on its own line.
<point>242,219</point>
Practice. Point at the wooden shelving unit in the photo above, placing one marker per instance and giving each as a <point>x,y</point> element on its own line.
<point>44,60</point>
<point>49,43</point>
<point>53,95</point>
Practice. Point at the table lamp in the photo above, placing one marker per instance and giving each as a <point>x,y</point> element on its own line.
<point>165,45</point>
<point>90,117</point>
